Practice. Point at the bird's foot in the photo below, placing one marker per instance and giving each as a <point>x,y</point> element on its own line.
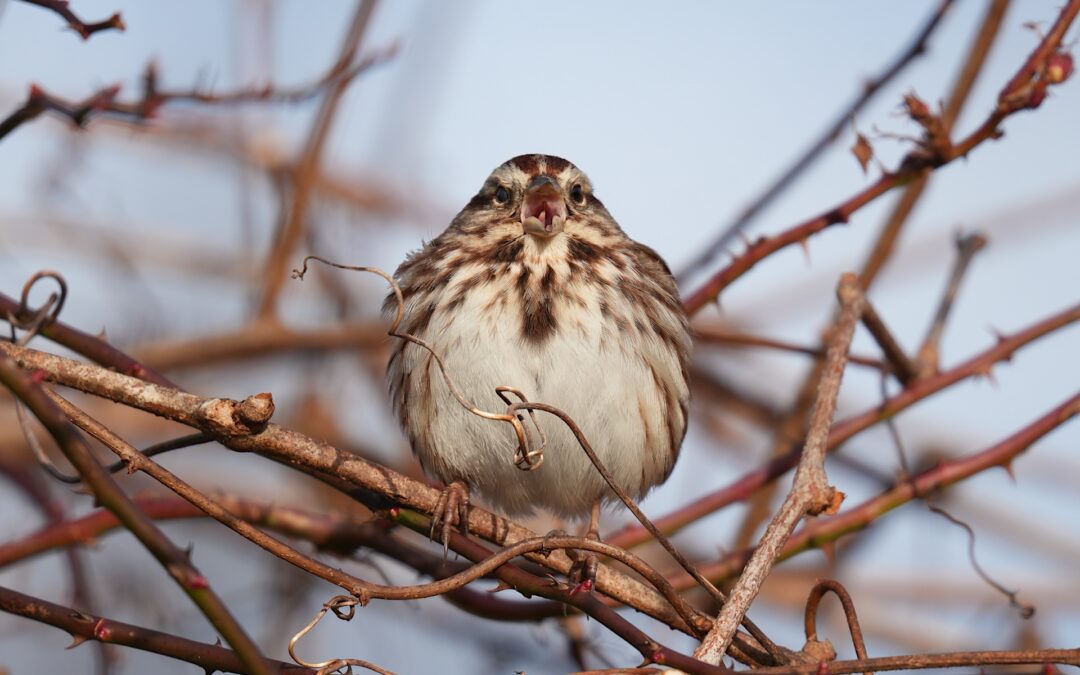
<point>451,509</point>
<point>583,571</point>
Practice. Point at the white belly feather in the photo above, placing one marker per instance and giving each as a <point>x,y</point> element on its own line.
<point>606,380</point>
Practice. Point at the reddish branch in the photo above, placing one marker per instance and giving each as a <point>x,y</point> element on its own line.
<point>380,485</point>
<point>1037,657</point>
<point>294,218</point>
<point>720,336</point>
<point>90,346</point>
<point>961,90</point>
<point>85,30</point>
<point>330,533</point>
<point>946,473</point>
<point>869,89</point>
<point>106,100</point>
<point>978,365</point>
<point>83,627</point>
<point>1047,65</point>
<point>175,561</point>
<point>810,493</point>
<point>526,583</point>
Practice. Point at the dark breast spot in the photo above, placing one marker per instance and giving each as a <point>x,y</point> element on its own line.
<point>583,251</point>
<point>507,250</point>
<point>538,321</point>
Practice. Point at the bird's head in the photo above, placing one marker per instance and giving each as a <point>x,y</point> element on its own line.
<point>540,195</point>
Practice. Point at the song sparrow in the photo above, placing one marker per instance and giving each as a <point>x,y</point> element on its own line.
<point>534,285</point>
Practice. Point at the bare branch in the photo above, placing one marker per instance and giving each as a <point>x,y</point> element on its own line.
<point>83,627</point>
<point>810,494</point>
<point>85,30</point>
<point>109,494</point>
<point>916,48</point>
<point>1025,91</point>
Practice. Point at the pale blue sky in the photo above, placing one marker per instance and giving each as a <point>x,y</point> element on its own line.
<point>679,117</point>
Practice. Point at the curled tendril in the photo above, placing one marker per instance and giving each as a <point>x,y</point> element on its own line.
<point>527,457</point>
<point>34,320</point>
<point>344,608</point>
<point>529,460</point>
<point>31,321</point>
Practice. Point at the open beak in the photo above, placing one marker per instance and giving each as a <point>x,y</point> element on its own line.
<point>543,210</point>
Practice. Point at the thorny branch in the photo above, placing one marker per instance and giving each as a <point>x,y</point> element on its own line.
<point>810,494</point>
<point>84,29</point>
<point>1047,65</point>
<point>171,557</point>
<point>244,425</point>
<point>944,474</point>
<point>83,627</point>
<point>382,486</point>
<point>979,365</point>
<point>106,101</point>
<point>295,215</point>
<point>869,90</point>
<point>929,354</point>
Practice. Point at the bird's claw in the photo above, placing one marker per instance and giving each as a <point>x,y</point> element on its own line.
<point>544,550</point>
<point>583,572</point>
<point>451,509</point>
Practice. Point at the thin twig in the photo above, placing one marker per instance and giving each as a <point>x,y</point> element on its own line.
<point>871,87</point>
<point>108,493</point>
<point>929,353</point>
<point>704,333</point>
<point>515,577</point>
<point>83,627</point>
<point>904,369</point>
<point>978,365</point>
<point>821,532</point>
<point>295,217</point>
<point>1036,657</point>
<point>84,29</point>
<point>106,101</point>
<point>810,493</point>
<point>1025,91</point>
<point>810,615</point>
<point>958,96</point>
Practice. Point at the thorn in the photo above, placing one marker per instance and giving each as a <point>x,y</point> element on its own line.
<point>804,244</point>
<point>76,640</point>
<point>1008,466</point>
<point>863,151</point>
<point>103,335</point>
<point>829,549</point>
<point>501,586</point>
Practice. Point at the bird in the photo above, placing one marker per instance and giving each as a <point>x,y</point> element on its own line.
<point>534,285</point>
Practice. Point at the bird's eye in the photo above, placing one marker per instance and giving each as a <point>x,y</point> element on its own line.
<point>502,195</point>
<point>577,193</point>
